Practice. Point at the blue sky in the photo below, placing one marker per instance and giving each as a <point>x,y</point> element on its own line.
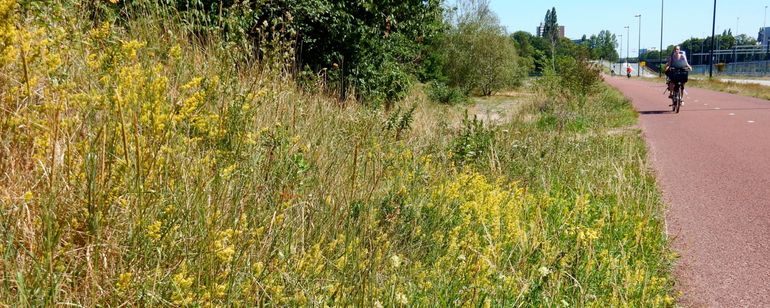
<point>682,19</point>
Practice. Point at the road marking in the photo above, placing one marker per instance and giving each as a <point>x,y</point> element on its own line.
<point>732,114</point>
<point>705,104</point>
<point>750,121</point>
<point>717,108</point>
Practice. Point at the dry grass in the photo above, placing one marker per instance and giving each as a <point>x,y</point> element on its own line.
<point>744,89</point>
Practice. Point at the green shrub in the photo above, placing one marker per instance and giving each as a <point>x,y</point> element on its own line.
<point>578,75</point>
<point>444,94</point>
<point>472,143</point>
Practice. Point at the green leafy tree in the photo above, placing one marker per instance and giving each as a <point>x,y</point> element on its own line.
<point>527,53</point>
<point>550,28</point>
<point>744,39</point>
<point>480,56</point>
<point>372,47</point>
<point>603,46</point>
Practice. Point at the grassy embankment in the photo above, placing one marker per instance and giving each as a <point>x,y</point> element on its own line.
<point>744,89</point>
<point>140,168</point>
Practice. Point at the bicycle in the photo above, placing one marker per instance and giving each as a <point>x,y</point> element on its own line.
<point>679,78</point>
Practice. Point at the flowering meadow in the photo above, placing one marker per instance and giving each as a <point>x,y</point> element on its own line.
<point>141,165</point>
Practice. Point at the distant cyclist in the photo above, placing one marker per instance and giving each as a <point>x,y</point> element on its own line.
<point>677,60</point>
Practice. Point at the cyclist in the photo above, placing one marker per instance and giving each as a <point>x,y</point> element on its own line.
<point>677,60</point>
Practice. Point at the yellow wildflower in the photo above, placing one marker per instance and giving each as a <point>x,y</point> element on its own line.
<point>224,249</point>
<point>258,268</point>
<point>182,295</point>
<point>226,254</point>
<point>228,171</point>
<point>124,281</point>
<point>193,83</point>
<point>130,48</point>
<point>153,230</point>
<point>102,32</point>
<point>175,52</point>
<point>220,289</point>
<point>668,300</point>
<point>7,31</point>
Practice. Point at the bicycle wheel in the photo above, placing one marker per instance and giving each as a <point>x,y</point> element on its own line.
<point>673,103</point>
<point>678,100</point>
<point>673,100</point>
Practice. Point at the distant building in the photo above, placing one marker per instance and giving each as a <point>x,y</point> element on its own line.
<point>539,30</point>
<point>763,39</point>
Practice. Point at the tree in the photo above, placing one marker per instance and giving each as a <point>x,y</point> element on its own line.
<point>523,43</point>
<point>602,46</point>
<point>369,46</point>
<point>480,56</point>
<point>550,32</point>
<point>652,56</point>
<point>550,28</point>
<point>693,45</point>
<point>744,39</point>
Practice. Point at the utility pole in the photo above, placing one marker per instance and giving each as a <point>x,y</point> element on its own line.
<point>639,48</point>
<point>713,41</point>
<point>660,52</point>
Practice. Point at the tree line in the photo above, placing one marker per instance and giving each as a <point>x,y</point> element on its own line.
<point>375,50</point>
<point>724,41</point>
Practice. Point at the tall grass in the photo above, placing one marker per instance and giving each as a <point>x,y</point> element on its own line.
<point>143,168</point>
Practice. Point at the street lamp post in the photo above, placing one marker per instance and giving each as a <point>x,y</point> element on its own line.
<point>764,38</point>
<point>639,48</point>
<point>628,39</point>
<point>764,33</point>
<point>620,55</point>
<point>713,41</point>
<point>764,27</point>
<point>660,52</point>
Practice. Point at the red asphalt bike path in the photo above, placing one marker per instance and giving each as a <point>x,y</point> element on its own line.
<point>712,162</point>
